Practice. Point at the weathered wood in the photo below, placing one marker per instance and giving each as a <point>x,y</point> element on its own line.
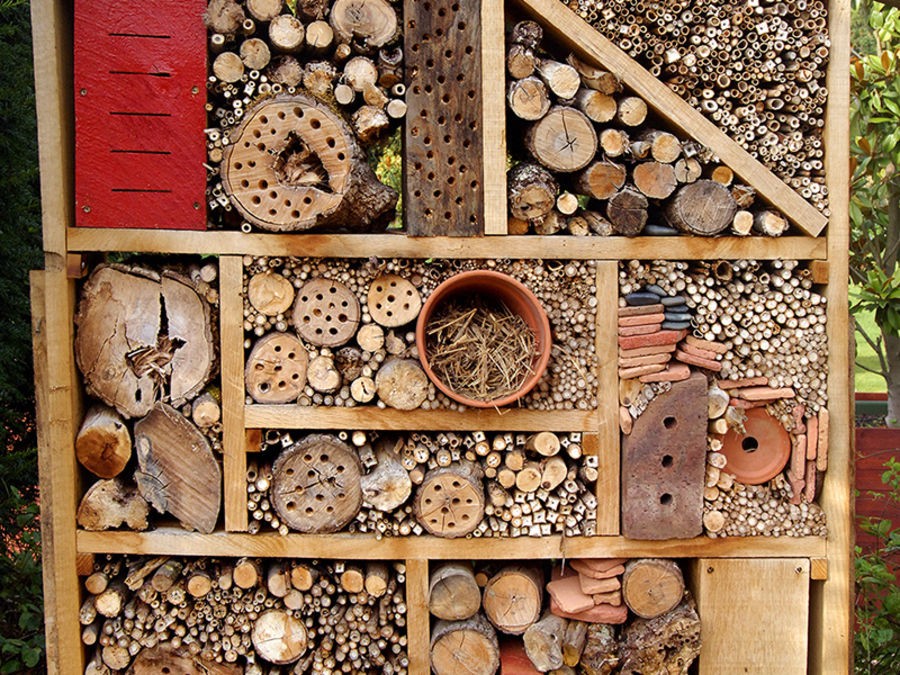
<point>377,579</point>
<point>600,654</point>
<point>387,486</point>
<point>286,33</point>
<point>563,140</point>
<point>652,586</point>
<point>206,410</point>
<point>627,212</point>
<point>326,313</point>
<point>276,369</point>
<point>401,384</point>
<point>311,163</point>
<point>520,61</point>
<point>528,98</point>
<point>316,484</point>
<point>632,111</point>
<point>177,472</point>
<point>770,223</point>
<point>224,16</point>
<point>369,24</point>
<point>164,658</point>
<point>703,208</point>
<point>278,637</point>
<point>128,351</point>
<point>393,301</point>
<point>664,147</point>
<point>668,643</point>
<point>103,444</point>
<point>322,375</point>
<point>574,641</point>
<point>453,593</point>
<point>109,504</point>
<point>598,107</point>
<point>264,10</point>
<point>165,576</point>
<point>513,598</point>
<point>270,293</point>
<point>532,191</point>
<point>444,122</point>
<point>655,179</point>
<point>468,646</point>
<point>450,501</point>
<point>247,573</point>
<point>561,78</point>
<point>255,54</point>
<point>543,642</point>
<point>601,180</point>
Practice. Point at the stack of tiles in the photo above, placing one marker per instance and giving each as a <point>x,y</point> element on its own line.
<point>590,590</point>
<point>701,353</point>
<point>650,328</point>
<point>754,392</point>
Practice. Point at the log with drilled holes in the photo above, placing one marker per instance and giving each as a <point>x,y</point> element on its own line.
<point>450,501</point>
<point>276,369</point>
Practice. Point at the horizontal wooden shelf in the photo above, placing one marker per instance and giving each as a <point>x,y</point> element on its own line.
<point>388,419</point>
<point>401,246</point>
<point>174,541</point>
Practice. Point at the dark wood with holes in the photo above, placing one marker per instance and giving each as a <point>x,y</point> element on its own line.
<point>443,190</point>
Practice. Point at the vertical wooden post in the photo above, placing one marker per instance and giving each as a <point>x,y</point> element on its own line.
<point>231,319</point>
<point>57,410</point>
<point>493,124</point>
<point>607,413</point>
<point>831,622</point>
<point>418,620</point>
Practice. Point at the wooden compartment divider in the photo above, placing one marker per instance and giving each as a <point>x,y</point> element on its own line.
<point>824,583</point>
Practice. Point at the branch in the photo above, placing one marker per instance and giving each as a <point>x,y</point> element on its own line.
<point>877,347</point>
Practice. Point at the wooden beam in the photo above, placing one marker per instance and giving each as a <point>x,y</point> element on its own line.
<point>493,113</point>
<point>607,421</point>
<point>588,44</point>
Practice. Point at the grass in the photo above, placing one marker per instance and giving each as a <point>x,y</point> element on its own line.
<point>866,381</point>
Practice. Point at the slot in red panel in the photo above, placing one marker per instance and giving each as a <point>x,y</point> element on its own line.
<point>140,95</point>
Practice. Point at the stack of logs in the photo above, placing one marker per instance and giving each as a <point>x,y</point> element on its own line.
<point>151,373</point>
<point>509,485</point>
<point>756,69</point>
<point>595,147</point>
<point>472,607</point>
<point>165,614</point>
<point>344,53</point>
<point>364,352</point>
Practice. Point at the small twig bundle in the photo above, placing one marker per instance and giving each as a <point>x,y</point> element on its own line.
<point>480,349</point>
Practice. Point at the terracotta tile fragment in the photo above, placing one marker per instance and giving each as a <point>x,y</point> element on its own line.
<point>593,586</point>
<point>717,347</point>
<point>596,614</point>
<point>641,319</point>
<point>648,360</point>
<point>643,351</point>
<point>569,597</point>
<point>764,393</point>
<point>638,311</point>
<point>714,366</point>
<point>628,373</point>
<point>744,382</point>
<point>676,372</point>
<point>663,337</point>
<point>688,348</point>
<point>646,329</point>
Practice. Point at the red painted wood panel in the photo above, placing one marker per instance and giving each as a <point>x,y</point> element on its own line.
<point>874,447</point>
<point>140,95</point>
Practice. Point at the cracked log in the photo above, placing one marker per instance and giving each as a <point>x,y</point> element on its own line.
<point>177,473</point>
<point>142,337</point>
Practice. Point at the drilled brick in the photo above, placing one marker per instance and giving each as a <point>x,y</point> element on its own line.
<point>664,463</point>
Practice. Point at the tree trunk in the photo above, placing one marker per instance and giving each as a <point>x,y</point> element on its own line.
<point>543,642</point>
<point>532,191</point>
<point>652,586</point>
<point>278,637</point>
<point>370,24</point>
<point>668,643</point>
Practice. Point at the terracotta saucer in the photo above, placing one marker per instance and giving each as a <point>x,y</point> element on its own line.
<point>760,454</point>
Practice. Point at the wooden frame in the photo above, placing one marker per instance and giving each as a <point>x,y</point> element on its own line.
<point>59,399</point>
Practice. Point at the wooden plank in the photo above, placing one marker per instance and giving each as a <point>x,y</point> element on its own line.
<point>52,303</point>
<point>818,569</point>
<point>590,45</point>
<point>396,245</point>
<point>443,190</point>
<point>493,117</point>
<point>371,417</point>
<point>754,615</point>
<point>234,455</point>
<point>607,420</point>
<point>52,44</point>
<point>176,541</point>
<point>418,620</point>
<point>140,74</point>
<point>831,626</point>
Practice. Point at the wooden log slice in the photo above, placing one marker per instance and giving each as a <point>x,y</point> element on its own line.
<point>164,658</point>
<point>177,472</point>
<point>453,593</point>
<point>703,208</point>
<point>286,33</point>
<point>270,293</point>
<point>370,23</point>
<point>543,642</point>
<point>316,484</point>
<point>276,369</point>
<point>189,335</point>
<point>468,646</point>
<point>652,586</point>
<point>528,98</point>
<point>532,191</point>
<point>255,54</point>
<point>513,598</point>
<point>393,301</point>
<point>223,16</point>
<point>264,10</point>
<point>601,180</point>
<point>278,637</point>
<point>402,384</point>
<point>627,211</point>
<point>228,67</point>
<point>326,313</point>
<point>564,140</point>
<point>387,486</point>
<point>103,444</point>
<point>109,504</point>
<point>294,164</point>
<point>450,501</point>
<point>655,179</point>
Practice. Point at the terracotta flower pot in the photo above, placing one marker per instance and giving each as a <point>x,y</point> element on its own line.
<point>760,454</point>
<point>517,298</point>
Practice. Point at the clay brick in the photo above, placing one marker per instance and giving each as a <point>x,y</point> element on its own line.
<point>593,586</point>
<point>744,382</point>
<point>641,319</point>
<point>676,372</point>
<point>716,347</point>
<point>688,348</point>
<point>663,337</point>
<point>643,351</point>
<point>741,404</point>
<point>645,329</point>
<point>650,359</point>
<point>514,659</point>
<point>638,311</point>
<point>569,597</point>
<point>812,437</point>
<point>664,465</point>
<point>764,393</point>
<point>598,568</point>
<point>714,366</point>
<point>628,373</point>
<point>596,614</point>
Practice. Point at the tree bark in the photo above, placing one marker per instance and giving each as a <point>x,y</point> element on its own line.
<point>532,191</point>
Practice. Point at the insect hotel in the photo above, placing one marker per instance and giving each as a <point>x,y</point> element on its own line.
<point>444,335</point>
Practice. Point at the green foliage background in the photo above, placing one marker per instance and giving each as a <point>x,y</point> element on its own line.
<point>21,618</point>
